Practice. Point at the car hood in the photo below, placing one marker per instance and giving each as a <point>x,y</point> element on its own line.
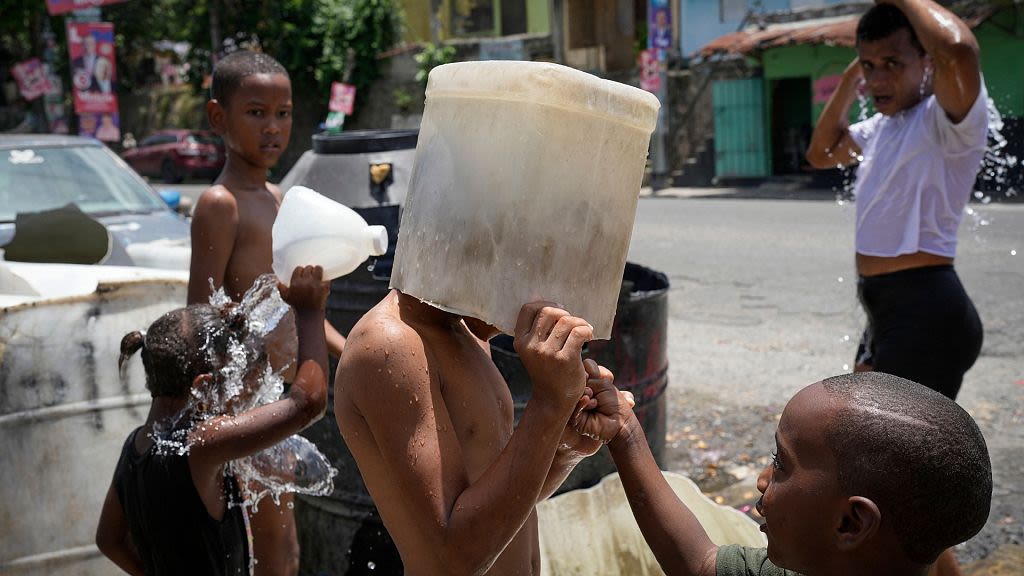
<point>156,239</point>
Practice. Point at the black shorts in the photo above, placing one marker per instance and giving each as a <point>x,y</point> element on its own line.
<point>921,326</point>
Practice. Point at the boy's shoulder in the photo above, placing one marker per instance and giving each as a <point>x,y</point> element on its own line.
<point>217,201</point>
<point>379,331</point>
<point>735,560</point>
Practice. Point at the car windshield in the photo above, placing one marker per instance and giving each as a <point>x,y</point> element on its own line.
<point>96,180</point>
<point>203,139</point>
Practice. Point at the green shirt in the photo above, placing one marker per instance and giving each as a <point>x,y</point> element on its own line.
<point>734,560</point>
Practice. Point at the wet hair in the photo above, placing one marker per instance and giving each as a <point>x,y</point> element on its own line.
<point>235,67</point>
<point>916,454</point>
<point>179,346</point>
<point>882,21</point>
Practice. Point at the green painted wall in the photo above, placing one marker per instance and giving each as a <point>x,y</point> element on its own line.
<point>813,61</point>
<point>417,20</point>
<point>538,19</point>
<point>417,17</point>
<point>1002,59</point>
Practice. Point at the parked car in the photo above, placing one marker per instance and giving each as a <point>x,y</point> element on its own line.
<point>65,407</point>
<point>40,173</point>
<point>173,155</point>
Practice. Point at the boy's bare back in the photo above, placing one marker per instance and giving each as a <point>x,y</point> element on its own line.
<point>429,418</point>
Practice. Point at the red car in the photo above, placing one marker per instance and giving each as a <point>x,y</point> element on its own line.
<point>174,155</point>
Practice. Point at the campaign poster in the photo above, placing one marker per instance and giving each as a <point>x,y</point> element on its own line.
<point>659,25</point>
<point>93,69</point>
<point>343,98</point>
<point>32,79</point>
<point>55,7</point>
<point>650,71</point>
<point>105,127</point>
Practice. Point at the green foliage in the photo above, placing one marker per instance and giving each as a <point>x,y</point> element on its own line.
<point>403,100</point>
<point>431,57</point>
<point>351,35</point>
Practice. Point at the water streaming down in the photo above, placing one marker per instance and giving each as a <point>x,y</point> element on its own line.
<point>248,378</point>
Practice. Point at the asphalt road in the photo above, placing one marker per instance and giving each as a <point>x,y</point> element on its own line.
<point>762,303</point>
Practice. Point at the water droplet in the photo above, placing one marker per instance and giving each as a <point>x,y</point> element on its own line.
<point>846,367</point>
<point>1013,252</point>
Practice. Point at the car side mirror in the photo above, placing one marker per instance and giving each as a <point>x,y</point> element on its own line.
<point>172,198</point>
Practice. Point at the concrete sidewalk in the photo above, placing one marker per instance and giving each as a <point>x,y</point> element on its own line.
<point>794,189</point>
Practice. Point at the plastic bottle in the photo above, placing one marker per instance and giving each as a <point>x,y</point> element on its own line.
<point>312,229</point>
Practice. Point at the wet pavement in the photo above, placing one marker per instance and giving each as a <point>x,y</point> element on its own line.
<point>763,303</point>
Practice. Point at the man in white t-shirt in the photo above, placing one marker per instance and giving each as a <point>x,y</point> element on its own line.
<point>918,160</point>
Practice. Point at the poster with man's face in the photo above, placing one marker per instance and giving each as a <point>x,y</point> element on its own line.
<point>659,25</point>
<point>93,69</point>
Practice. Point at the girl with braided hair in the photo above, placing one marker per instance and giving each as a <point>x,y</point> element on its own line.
<point>175,511</point>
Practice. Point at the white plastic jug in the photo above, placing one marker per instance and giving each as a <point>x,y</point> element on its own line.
<point>312,229</point>
<point>524,187</point>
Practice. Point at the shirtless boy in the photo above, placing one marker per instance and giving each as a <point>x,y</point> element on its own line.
<point>251,108</point>
<point>429,421</point>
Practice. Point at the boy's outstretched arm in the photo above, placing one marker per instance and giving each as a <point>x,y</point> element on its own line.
<point>218,440</point>
<point>831,144</point>
<point>677,539</point>
<point>463,526</point>
<point>574,446</point>
<point>214,226</point>
<point>113,538</point>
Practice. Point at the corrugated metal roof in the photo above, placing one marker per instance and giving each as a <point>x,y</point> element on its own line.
<point>836,31</point>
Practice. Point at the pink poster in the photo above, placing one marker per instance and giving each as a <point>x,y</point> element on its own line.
<point>32,80</point>
<point>56,7</point>
<point>825,86</point>
<point>93,70</point>
<point>343,98</point>
<point>650,70</point>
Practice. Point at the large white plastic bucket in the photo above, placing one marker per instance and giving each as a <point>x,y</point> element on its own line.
<point>593,531</point>
<point>524,187</point>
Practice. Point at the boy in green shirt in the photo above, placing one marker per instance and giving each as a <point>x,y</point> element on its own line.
<point>873,474</point>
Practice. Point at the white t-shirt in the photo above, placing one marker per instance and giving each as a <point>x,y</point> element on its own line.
<point>916,177</point>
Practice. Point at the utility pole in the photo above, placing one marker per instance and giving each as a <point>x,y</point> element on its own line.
<point>215,39</point>
<point>555,8</point>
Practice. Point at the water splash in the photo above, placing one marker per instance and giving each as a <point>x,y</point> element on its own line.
<point>252,375</point>
<point>994,175</point>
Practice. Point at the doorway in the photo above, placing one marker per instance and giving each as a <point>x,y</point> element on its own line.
<point>790,124</point>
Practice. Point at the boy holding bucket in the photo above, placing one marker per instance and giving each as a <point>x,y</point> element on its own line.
<point>425,413</point>
<point>251,108</point>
